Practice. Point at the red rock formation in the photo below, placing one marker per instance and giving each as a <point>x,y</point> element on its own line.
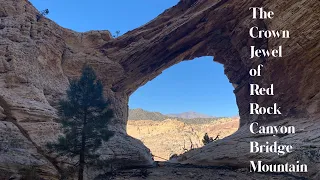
<point>37,59</point>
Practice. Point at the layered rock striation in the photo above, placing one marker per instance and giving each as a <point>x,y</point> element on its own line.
<point>172,136</point>
<point>38,58</point>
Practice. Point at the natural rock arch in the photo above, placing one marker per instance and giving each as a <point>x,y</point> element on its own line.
<point>39,57</point>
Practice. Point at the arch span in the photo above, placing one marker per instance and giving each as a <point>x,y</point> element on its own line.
<point>221,29</point>
<point>39,57</point>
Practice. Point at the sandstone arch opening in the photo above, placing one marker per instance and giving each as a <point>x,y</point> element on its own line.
<point>171,113</point>
<point>39,58</point>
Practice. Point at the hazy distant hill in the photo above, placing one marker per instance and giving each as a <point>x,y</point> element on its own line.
<point>140,114</point>
<point>190,115</point>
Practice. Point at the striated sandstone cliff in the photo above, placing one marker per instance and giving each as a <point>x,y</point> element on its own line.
<point>38,58</point>
<point>171,136</point>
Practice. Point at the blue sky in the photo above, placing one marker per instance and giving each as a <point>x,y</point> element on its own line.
<point>198,85</point>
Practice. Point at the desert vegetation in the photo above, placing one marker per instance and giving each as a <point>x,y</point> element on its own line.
<point>206,139</point>
<point>42,14</point>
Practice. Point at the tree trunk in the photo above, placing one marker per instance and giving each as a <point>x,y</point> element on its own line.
<point>81,161</point>
<point>83,146</point>
<point>81,169</point>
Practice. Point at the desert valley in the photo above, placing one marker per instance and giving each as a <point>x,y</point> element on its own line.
<point>166,136</point>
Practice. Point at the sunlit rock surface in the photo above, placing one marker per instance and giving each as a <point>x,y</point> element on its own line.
<point>171,136</point>
<point>38,58</point>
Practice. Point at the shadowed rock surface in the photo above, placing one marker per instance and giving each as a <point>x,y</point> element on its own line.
<point>38,58</point>
<point>190,172</point>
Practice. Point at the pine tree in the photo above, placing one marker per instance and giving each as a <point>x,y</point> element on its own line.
<point>84,116</point>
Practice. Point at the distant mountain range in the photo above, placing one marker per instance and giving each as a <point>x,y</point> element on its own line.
<point>187,117</point>
<point>190,115</point>
<point>140,114</point>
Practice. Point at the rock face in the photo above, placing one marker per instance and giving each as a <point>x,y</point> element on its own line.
<point>171,136</point>
<point>189,172</point>
<point>38,58</point>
